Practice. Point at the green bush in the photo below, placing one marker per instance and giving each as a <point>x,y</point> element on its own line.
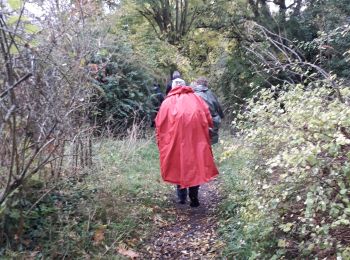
<point>123,83</point>
<point>300,175</point>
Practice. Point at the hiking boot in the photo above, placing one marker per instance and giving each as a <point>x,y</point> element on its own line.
<point>194,203</point>
<point>181,194</point>
<point>193,194</point>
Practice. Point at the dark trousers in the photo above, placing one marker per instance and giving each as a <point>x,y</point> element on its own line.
<point>192,193</point>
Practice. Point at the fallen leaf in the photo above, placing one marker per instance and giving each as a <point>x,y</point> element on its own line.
<point>128,252</point>
<point>99,235</point>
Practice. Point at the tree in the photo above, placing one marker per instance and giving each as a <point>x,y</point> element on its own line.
<point>170,19</point>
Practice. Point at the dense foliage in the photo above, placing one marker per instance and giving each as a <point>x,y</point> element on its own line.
<point>124,89</point>
<point>298,176</point>
<point>290,194</point>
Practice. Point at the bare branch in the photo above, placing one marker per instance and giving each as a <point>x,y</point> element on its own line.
<point>271,50</point>
<point>25,77</point>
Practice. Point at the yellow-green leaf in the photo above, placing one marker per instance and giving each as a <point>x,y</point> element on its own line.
<point>34,43</point>
<point>14,19</point>
<point>286,227</point>
<point>31,28</point>
<point>15,4</point>
<point>282,243</point>
<point>13,50</point>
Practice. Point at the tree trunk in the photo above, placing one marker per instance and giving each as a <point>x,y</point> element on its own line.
<point>254,7</point>
<point>184,18</point>
<point>172,24</point>
<point>177,17</point>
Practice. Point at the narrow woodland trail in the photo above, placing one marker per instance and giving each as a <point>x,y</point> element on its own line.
<point>193,232</point>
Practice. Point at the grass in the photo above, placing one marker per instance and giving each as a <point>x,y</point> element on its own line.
<point>243,225</point>
<point>117,204</point>
<point>113,206</point>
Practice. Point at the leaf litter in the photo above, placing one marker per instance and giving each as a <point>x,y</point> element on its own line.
<point>192,234</point>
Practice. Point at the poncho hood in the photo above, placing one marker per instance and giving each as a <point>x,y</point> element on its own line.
<point>180,90</point>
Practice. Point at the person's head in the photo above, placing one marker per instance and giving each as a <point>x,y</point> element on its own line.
<point>202,81</point>
<point>176,74</point>
<point>178,82</point>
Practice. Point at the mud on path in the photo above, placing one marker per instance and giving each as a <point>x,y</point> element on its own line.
<point>193,232</point>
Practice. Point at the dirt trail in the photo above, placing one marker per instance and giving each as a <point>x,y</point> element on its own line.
<point>192,235</point>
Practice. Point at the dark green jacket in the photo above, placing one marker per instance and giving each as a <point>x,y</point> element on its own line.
<point>214,107</point>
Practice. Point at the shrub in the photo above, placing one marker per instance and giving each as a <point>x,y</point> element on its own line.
<point>123,83</point>
<point>112,206</point>
<point>300,175</point>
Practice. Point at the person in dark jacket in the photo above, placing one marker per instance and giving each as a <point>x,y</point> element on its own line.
<point>156,100</point>
<point>201,89</point>
<point>176,75</point>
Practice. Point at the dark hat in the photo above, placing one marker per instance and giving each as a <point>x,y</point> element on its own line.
<point>176,74</point>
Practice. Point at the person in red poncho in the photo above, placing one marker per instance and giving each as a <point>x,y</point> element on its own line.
<point>182,126</point>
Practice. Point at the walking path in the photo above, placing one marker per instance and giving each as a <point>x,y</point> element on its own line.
<point>192,234</point>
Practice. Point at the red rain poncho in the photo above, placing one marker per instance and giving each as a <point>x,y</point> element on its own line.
<point>182,126</point>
